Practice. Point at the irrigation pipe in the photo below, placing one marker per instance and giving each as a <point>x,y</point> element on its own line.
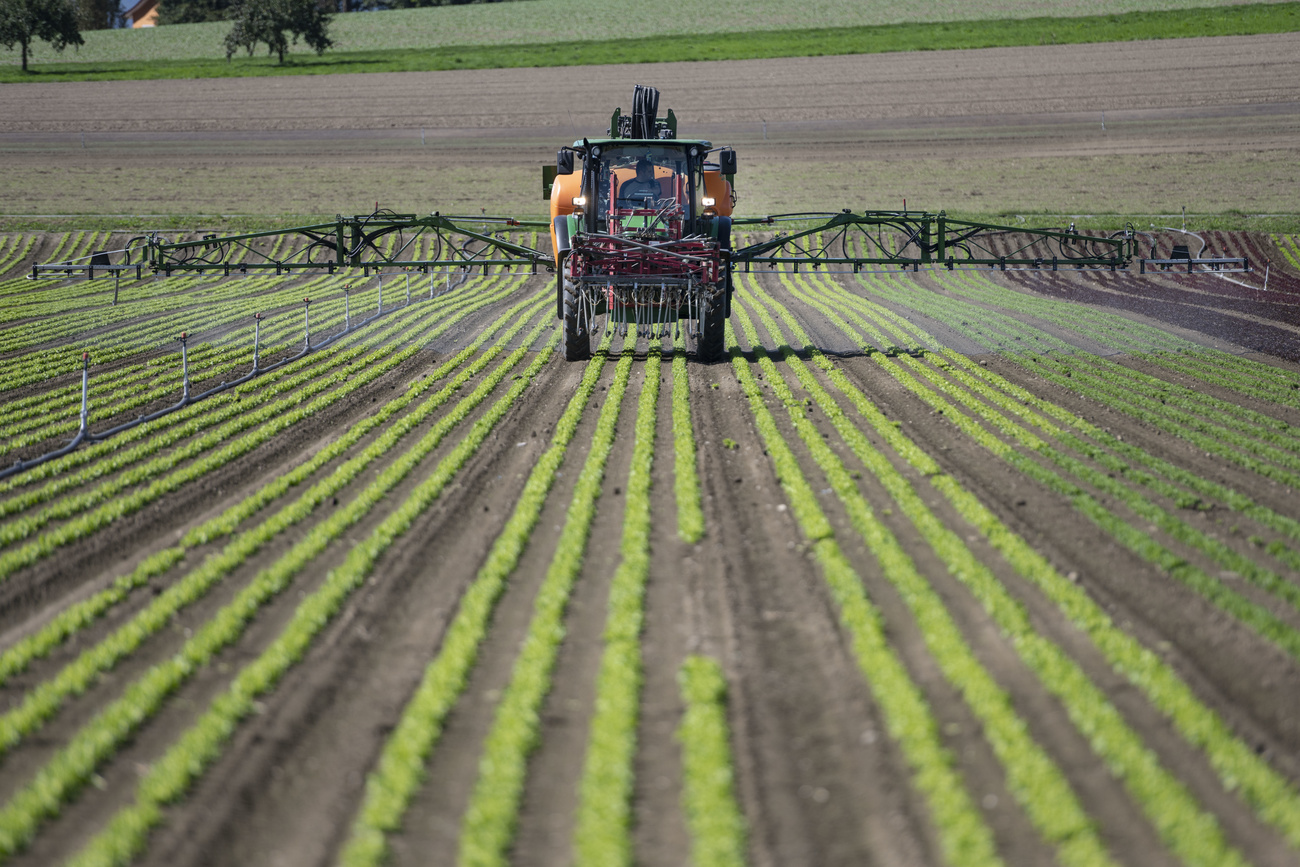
<point>84,435</point>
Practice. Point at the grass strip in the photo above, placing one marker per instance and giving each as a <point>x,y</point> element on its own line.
<point>602,835</point>
<point>1184,23</point>
<point>708,795</point>
<point>70,768</point>
<point>964,837</point>
<point>400,769</point>
<point>1267,793</point>
<point>489,823</point>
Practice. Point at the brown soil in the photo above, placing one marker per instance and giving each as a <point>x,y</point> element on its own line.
<point>819,777</point>
<point>1206,124</point>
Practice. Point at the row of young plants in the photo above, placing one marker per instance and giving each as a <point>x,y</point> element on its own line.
<point>151,445</point>
<point>964,836</point>
<point>125,492</point>
<point>1120,385</point>
<point>1289,245</point>
<point>122,390</point>
<point>158,297</point>
<point>200,745</point>
<point>13,249</point>
<point>1082,479</point>
<point>103,458</point>
<point>686,479</point>
<point>1125,386</point>
<point>1169,806</point>
<point>1140,396</point>
<point>602,836</point>
<point>717,827</point>
<point>1033,778</point>
<point>42,701</point>
<point>1265,791</point>
<point>118,389</point>
<point>399,772</point>
<point>487,829</point>
<point>1212,366</point>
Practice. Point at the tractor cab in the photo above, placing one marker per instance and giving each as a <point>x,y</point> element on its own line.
<point>645,192</point>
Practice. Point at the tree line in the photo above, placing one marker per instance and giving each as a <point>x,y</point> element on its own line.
<point>273,23</point>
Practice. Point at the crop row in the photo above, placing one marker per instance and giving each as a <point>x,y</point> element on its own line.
<point>686,480</point>
<point>278,334</point>
<point>1168,804</point>
<point>490,819</point>
<point>13,249</point>
<point>399,771</point>
<point>81,614</point>
<point>201,744</point>
<point>1261,787</point>
<point>41,703</point>
<point>232,406</point>
<point>1122,388</point>
<point>603,834</point>
<point>1121,333</point>
<point>109,456</point>
<point>1033,778</point>
<point>125,492</point>
<point>708,793</point>
<point>1254,615</point>
<point>964,836</point>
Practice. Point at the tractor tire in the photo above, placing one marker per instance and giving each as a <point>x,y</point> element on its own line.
<point>577,334</point>
<point>711,344</point>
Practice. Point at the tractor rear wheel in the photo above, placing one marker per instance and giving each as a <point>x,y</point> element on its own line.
<point>711,344</point>
<point>577,328</point>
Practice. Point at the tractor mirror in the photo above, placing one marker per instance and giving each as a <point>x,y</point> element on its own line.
<point>727,161</point>
<point>564,163</point>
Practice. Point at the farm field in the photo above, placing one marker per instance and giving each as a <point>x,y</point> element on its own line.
<point>990,567</point>
<point>964,568</point>
<point>541,22</point>
<point>1207,124</point>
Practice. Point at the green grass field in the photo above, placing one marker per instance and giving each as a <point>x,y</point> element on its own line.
<point>580,32</point>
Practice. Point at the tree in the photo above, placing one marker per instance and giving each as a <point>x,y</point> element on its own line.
<point>193,11</point>
<point>268,20</point>
<point>52,21</point>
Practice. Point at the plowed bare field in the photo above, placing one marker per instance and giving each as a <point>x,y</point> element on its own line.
<point>994,568</point>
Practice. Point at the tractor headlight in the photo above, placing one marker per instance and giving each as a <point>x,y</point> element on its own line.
<point>580,201</point>
<point>709,201</point>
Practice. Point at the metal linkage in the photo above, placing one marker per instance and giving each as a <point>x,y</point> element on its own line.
<point>380,240</point>
<point>84,435</point>
<point>918,238</point>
